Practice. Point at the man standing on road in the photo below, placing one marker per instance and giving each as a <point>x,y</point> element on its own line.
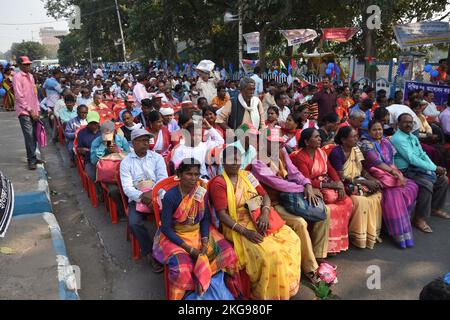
<point>53,88</point>
<point>27,108</point>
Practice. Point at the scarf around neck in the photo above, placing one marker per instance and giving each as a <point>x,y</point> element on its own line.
<point>253,109</point>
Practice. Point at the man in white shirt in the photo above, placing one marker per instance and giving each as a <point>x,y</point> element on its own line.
<point>139,91</point>
<point>206,86</point>
<point>85,97</point>
<point>192,146</point>
<point>269,98</point>
<point>140,169</point>
<point>396,110</point>
<point>98,88</point>
<point>282,100</point>
<point>98,72</point>
<point>430,110</point>
<point>258,81</point>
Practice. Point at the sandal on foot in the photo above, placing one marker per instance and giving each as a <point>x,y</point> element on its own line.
<point>441,214</point>
<point>156,266</point>
<point>312,277</point>
<point>424,227</point>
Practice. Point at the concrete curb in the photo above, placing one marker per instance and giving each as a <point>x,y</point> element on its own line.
<point>32,204</point>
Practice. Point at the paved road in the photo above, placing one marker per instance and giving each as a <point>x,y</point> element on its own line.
<point>108,272</point>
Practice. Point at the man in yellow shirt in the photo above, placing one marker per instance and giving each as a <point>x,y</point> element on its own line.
<point>222,98</point>
<point>97,104</point>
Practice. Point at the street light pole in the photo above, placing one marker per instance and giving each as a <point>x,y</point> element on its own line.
<point>121,33</point>
<point>90,52</point>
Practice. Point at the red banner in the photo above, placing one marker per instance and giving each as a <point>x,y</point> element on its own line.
<point>339,34</point>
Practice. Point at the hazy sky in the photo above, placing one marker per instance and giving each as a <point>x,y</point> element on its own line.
<point>20,12</point>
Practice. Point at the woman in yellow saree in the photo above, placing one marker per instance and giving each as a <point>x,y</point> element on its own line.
<point>267,250</point>
<point>8,99</point>
<point>187,242</point>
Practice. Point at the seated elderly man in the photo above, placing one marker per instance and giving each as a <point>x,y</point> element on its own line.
<point>141,169</point>
<point>277,174</point>
<point>97,104</point>
<point>71,129</point>
<point>109,143</point>
<point>416,165</point>
<point>245,109</point>
<point>355,120</point>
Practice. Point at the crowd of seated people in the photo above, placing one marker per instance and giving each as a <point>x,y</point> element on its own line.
<point>293,181</point>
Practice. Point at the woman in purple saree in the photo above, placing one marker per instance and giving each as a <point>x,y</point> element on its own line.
<point>399,193</point>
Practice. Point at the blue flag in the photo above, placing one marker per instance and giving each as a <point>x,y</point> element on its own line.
<point>230,68</point>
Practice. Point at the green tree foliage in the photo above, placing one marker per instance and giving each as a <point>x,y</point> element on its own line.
<point>194,29</point>
<point>100,27</point>
<point>34,50</point>
<point>71,49</point>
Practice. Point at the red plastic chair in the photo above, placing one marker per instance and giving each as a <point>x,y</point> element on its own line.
<point>135,247</point>
<point>165,185</point>
<point>88,185</point>
<point>60,129</point>
<point>110,204</point>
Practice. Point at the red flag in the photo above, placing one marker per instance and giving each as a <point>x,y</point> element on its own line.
<point>294,64</point>
<point>339,34</point>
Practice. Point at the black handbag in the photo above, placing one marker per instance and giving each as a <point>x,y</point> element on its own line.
<point>296,204</point>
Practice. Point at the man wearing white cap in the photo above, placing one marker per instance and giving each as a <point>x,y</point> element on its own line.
<point>206,86</point>
<point>141,170</point>
<point>168,119</point>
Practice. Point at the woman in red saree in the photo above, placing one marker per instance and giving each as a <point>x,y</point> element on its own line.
<point>313,163</point>
<point>187,242</point>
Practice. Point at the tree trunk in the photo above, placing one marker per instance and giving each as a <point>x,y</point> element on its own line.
<point>277,20</point>
<point>262,49</point>
<point>369,46</point>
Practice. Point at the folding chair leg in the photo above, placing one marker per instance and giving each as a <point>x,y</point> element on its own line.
<point>93,194</point>
<point>166,280</point>
<point>135,248</point>
<point>113,211</point>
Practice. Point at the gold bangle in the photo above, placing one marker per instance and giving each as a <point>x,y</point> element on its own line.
<point>235,224</point>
